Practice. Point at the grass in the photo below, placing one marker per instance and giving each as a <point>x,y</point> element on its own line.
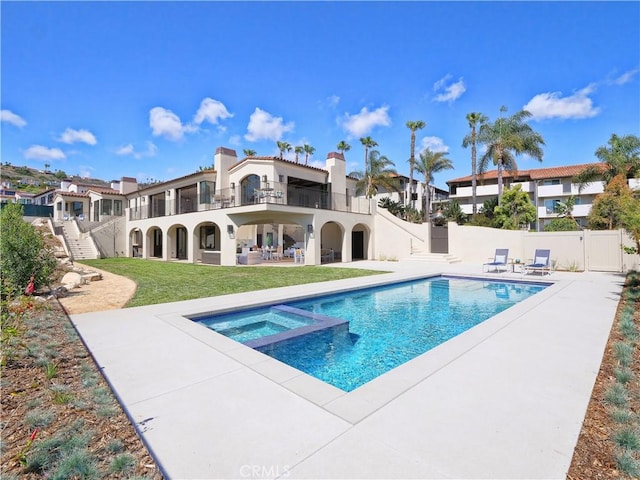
<point>161,282</point>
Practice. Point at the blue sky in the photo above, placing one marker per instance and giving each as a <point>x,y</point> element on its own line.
<point>150,89</point>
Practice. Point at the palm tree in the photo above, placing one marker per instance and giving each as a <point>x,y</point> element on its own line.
<point>430,163</point>
<point>308,150</point>
<point>283,147</point>
<point>413,126</point>
<point>504,138</point>
<point>343,147</point>
<point>249,153</point>
<point>368,143</point>
<point>380,174</point>
<point>298,151</point>
<point>474,118</point>
<point>622,156</point>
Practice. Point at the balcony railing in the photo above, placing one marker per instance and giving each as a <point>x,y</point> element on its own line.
<point>274,194</point>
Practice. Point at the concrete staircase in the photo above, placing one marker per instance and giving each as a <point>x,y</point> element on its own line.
<point>434,258</point>
<point>81,246</point>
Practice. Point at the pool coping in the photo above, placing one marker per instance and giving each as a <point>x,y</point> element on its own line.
<point>380,429</point>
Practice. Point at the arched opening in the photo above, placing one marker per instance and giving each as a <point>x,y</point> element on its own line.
<point>359,242</point>
<point>178,242</point>
<point>248,187</point>
<point>331,241</point>
<point>207,243</point>
<point>154,242</point>
<point>135,240</point>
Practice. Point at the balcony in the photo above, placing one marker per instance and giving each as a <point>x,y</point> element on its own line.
<point>272,194</point>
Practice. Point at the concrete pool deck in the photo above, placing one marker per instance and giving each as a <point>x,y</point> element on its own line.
<point>505,399</point>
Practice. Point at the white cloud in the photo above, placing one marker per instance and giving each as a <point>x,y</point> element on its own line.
<point>85,171</point>
<point>73,136</point>
<point>9,117</point>
<point>553,105</point>
<point>165,123</point>
<point>211,111</point>
<point>130,150</point>
<point>363,122</point>
<point>448,92</point>
<point>435,144</point>
<point>235,140</point>
<point>38,152</point>
<point>333,101</point>
<point>626,77</point>
<point>264,126</point>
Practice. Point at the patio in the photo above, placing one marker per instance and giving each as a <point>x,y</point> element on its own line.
<point>506,399</point>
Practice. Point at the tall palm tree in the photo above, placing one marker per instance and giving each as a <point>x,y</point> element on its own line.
<point>283,147</point>
<point>380,174</point>
<point>430,163</point>
<point>622,156</point>
<point>343,147</point>
<point>248,152</point>
<point>368,143</point>
<point>298,151</point>
<point>308,150</point>
<point>474,119</point>
<point>505,138</point>
<point>413,126</point>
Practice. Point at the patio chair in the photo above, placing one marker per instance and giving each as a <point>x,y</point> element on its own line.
<point>541,263</point>
<point>298,255</point>
<point>499,260</point>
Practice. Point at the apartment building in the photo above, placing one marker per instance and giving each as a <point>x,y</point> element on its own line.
<point>546,188</point>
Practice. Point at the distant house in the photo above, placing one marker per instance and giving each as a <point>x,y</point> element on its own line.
<point>86,201</point>
<point>546,188</point>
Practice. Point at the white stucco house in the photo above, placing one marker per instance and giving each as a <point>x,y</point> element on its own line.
<point>214,216</point>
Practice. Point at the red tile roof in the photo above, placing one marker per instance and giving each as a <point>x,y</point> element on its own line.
<point>277,159</point>
<point>533,174</point>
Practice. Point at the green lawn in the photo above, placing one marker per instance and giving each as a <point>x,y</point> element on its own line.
<point>160,282</point>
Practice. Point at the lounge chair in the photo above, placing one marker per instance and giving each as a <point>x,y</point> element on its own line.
<point>500,259</point>
<point>541,263</point>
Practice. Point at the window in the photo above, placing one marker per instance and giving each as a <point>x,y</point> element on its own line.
<point>551,181</point>
<point>551,205</point>
<point>107,205</point>
<point>205,191</point>
<point>208,237</point>
<point>117,207</point>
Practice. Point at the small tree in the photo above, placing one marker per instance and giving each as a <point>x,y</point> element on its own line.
<point>515,210</point>
<point>453,212</point>
<point>561,224</point>
<point>22,251</point>
<point>617,207</point>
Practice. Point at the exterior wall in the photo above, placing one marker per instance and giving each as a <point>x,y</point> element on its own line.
<point>111,238</point>
<point>583,250</point>
<point>397,239</point>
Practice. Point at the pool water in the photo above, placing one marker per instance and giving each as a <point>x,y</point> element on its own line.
<point>245,326</point>
<point>388,325</point>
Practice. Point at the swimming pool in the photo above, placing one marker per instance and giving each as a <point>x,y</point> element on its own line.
<point>387,325</point>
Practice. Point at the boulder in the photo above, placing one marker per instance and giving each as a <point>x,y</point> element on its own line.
<point>71,280</point>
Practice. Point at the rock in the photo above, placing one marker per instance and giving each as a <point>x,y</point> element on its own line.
<point>92,277</point>
<point>59,292</point>
<point>71,280</point>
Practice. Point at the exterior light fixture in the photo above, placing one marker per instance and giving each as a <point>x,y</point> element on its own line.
<point>230,230</point>
<point>309,229</point>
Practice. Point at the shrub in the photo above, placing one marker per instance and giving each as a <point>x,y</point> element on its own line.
<point>22,252</point>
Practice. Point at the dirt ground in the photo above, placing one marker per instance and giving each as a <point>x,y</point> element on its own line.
<point>110,293</point>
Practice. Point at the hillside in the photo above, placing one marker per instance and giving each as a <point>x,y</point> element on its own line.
<point>27,179</point>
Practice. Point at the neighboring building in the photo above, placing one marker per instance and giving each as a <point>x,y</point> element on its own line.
<point>545,186</point>
<point>85,201</point>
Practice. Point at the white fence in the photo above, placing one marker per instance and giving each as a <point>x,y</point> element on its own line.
<point>594,250</point>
